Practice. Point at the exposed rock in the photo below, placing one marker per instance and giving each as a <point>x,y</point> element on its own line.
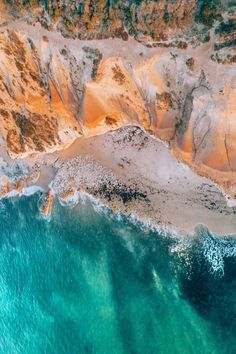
<point>35,109</point>
<point>46,205</point>
<point>181,89</point>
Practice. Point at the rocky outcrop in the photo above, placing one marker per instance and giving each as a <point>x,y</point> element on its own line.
<point>46,205</point>
<point>39,99</point>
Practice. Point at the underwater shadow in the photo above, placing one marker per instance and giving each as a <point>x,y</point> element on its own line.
<point>210,284</point>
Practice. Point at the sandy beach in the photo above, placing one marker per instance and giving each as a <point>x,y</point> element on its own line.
<point>134,173</point>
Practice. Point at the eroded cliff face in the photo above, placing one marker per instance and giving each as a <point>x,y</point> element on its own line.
<point>37,110</point>
<point>177,85</point>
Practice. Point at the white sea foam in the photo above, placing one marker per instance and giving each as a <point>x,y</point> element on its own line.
<point>216,250</point>
<point>69,202</point>
<point>27,191</point>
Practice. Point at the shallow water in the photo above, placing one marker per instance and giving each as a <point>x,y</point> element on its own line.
<point>88,282</point>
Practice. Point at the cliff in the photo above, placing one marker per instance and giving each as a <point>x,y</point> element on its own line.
<point>71,69</point>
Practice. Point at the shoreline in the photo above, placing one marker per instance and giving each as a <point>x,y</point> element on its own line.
<point>132,173</point>
<point>46,208</point>
<point>99,137</point>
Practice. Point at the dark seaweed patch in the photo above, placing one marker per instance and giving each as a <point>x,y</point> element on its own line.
<point>124,193</point>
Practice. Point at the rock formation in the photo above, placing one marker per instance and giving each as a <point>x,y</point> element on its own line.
<point>73,68</point>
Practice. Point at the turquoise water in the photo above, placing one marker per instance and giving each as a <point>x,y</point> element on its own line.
<point>87,282</point>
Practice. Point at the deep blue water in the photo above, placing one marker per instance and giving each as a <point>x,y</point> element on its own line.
<point>88,282</point>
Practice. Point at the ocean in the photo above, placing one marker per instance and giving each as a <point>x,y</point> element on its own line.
<point>89,281</point>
